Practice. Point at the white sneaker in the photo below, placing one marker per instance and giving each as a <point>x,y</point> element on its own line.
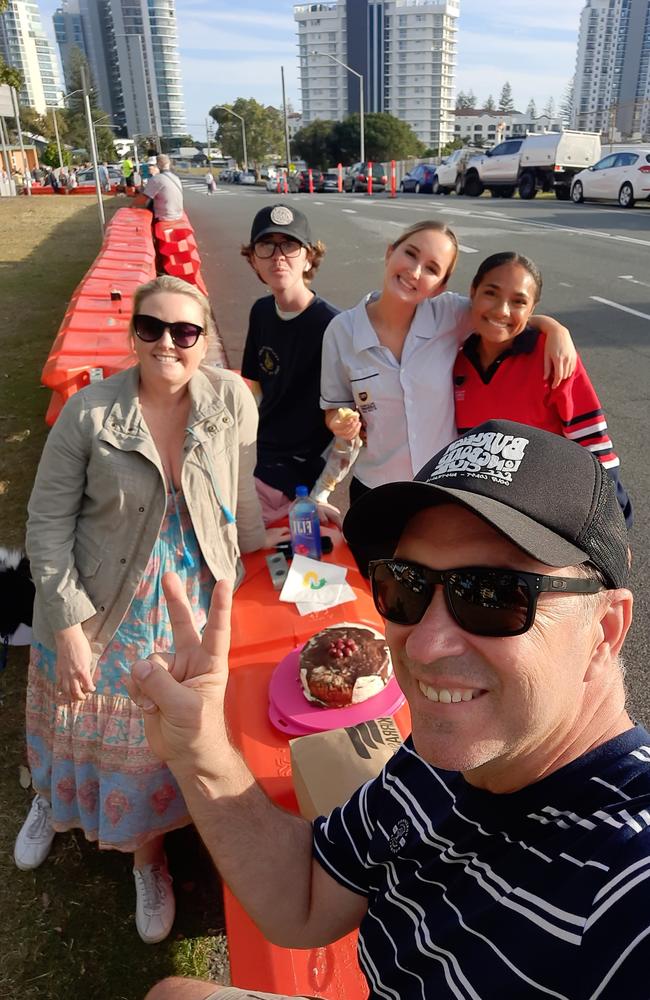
<point>155,907</point>
<point>34,841</point>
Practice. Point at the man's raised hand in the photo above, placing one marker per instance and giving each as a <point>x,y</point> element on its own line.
<point>182,693</point>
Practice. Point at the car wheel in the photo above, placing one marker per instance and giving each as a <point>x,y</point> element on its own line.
<point>435,187</point>
<point>417,187</point>
<point>459,186</point>
<point>473,186</point>
<point>402,188</point>
<point>626,196</point>
<point>527,187</point>
<point>577,194</point>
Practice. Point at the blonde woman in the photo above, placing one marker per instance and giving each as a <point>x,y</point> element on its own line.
<point>148,471</point>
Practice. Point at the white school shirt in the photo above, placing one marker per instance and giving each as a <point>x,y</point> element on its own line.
<point>407,405</point>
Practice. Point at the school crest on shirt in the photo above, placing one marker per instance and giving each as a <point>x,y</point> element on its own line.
<point>268,360</point>
<point>363,399</point>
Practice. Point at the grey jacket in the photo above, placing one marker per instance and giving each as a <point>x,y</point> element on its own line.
<point>98,501</point>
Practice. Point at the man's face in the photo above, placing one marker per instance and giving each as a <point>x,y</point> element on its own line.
<point>529,693</point>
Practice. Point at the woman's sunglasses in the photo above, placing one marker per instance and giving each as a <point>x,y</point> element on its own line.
<point>150,328</point>
<point>482,600</point>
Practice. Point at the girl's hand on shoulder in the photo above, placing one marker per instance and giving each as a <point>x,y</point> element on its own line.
<point>74,656</point>
<point>560,355</point>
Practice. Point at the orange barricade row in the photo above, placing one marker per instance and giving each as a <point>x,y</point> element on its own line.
<point>178,252</point>
<point>93,340</point>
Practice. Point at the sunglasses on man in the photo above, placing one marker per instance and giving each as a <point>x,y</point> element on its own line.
<point>265,249</point>
<point>482,600</point>
<point>150,328</point>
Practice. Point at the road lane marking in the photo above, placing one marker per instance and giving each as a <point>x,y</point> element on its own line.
<point>633,280</point>
<point>466,249</point>
<point>349,211</point>
<point>617,305</point>
<point>565,284</point>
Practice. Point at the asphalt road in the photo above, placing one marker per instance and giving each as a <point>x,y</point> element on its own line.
<point>595,260</point>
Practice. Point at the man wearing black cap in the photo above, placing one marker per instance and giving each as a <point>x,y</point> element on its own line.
<point>282,356</point>
<point>504,851</point>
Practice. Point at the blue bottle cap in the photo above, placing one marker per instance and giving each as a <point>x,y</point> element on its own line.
<point>302,491</point>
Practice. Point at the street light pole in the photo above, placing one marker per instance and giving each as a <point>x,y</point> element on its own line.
<point>362,141</point>
<point>93,149</point>
<point>220,107</point>
<point>27,174</point>
<point>58,141</point>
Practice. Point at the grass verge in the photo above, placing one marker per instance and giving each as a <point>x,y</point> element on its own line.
<point>68,927</point>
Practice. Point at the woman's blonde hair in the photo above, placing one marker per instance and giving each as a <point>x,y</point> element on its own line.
<point>315,254</point>
<point>436,227</point>
<point>168,283</point>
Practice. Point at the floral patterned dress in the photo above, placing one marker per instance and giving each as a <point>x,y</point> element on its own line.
<point>91,759</point>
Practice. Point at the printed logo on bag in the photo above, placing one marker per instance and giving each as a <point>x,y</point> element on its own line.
<point>484,456</point>
<point>281,215</point>
<point>398,836</point>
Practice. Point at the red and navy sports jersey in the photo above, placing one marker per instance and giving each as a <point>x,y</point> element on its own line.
<point>513,388</point>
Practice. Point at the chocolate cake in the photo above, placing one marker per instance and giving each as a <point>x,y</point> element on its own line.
<point>344,665</point>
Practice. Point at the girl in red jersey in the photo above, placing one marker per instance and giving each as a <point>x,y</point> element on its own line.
<point>499,372</point>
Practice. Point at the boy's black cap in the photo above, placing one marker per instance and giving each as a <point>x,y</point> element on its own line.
<point>548,495</point>
<point>281,219</point>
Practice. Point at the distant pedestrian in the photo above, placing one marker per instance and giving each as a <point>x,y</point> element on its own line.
<point>104,177</point>
<point>127,171</point>
<point>164,192</point>
<point>210,183</point>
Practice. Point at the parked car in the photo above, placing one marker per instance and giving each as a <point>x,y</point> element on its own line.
<point>449,175</point>
<point>623,177</point>
<point>356,178</point>
<point>271,184</point>
<point>299,181</point>
<point>226,176</point>
<point>330,181</point>
<point>543,161</point>
<point>419,179</point>
<point>247,177</point>
<point>86,177</point>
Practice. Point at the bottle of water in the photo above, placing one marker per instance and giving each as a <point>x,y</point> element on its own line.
<point>304,525</point>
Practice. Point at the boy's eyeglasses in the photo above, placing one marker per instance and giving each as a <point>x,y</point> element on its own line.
<point>289,248</point>
<point>482,600</point>
<point>150,328</point>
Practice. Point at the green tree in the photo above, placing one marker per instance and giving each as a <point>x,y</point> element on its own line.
<point>465,101</point>
<point>264,130</point>
<point>566,105</point>
<point>314,143</point>
<point>531,110</point>
<point>386,138</point>
<point>549,108</point>
<point>7,73</point>
<point>506,102</point>
<point>50,155</point>
<point>74,116</point>
<point>490,104</point>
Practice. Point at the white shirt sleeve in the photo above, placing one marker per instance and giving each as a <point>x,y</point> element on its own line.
<point>335,388</point>
<point>451,310</point>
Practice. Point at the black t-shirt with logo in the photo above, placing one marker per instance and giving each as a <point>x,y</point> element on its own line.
<point>284,356</point>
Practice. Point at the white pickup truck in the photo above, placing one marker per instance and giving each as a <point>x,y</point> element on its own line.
<point>542,161</point>
<point>450,174</point>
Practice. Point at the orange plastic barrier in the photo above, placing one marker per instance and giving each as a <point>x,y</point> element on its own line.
<point>264,630</point>
<point>178,252</point>
<point>93,342</point>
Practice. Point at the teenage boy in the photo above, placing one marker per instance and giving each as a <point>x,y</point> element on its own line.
<point>282,356</point>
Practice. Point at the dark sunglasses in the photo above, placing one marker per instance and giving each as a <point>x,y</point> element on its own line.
<point>265,250</point>
<point>482,600</point>
<point>150,328</point>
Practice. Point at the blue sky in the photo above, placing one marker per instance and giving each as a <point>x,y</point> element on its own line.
<point>235,49</point>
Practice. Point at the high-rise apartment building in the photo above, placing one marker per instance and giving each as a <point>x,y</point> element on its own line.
<point>132,50</point>
<point>405,50</point>
<point>25,46</point>
<point>612,83</point>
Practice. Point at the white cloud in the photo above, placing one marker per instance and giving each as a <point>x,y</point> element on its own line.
<point>194,35</point>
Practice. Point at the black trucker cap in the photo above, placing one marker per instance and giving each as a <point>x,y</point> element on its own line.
<point>548,495</point>
<point>281,219</point>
